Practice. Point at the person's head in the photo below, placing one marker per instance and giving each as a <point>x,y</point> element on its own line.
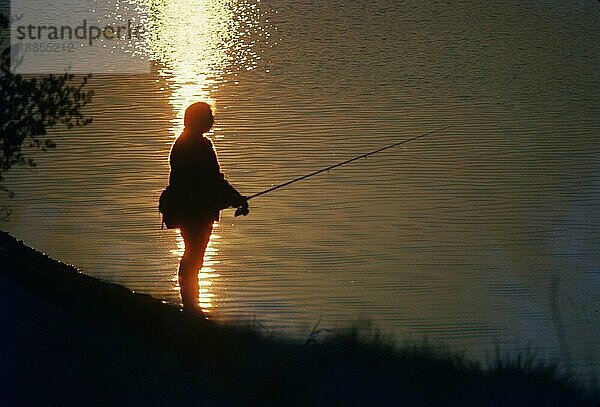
<point>198,118</point>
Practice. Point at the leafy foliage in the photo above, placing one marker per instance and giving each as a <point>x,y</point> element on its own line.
<point>29,106</point>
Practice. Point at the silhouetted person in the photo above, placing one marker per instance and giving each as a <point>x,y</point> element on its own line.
<point>200,192</point>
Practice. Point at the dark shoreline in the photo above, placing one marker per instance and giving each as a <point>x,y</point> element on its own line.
<point>71,339</point>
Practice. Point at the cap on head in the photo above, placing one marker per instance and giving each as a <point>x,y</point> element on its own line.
<point>198,117</point>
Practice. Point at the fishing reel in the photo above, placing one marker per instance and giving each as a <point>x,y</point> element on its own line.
<point>242,210</point>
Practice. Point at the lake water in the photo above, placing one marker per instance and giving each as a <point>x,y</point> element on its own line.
<point>485,234</point>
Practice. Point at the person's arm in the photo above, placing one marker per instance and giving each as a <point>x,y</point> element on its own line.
<point>231,195</point>
<point>237,199</point>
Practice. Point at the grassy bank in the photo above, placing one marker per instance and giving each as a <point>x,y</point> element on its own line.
<point>70,339</point>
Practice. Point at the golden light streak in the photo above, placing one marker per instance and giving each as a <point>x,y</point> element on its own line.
<point>192,40</point>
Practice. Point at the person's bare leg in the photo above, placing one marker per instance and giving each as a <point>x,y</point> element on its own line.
<point>196,239</point>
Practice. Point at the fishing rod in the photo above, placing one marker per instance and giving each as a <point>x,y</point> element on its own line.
<point>243,210</point>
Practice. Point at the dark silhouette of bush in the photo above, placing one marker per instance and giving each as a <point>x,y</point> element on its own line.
<point>29,106</point>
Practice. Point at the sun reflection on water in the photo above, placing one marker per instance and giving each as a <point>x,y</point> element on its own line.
<point>195,44</point>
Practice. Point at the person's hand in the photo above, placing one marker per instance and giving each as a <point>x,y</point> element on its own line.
<point>239,201</point>
<point>242,210</point>
<point>242,205</point>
